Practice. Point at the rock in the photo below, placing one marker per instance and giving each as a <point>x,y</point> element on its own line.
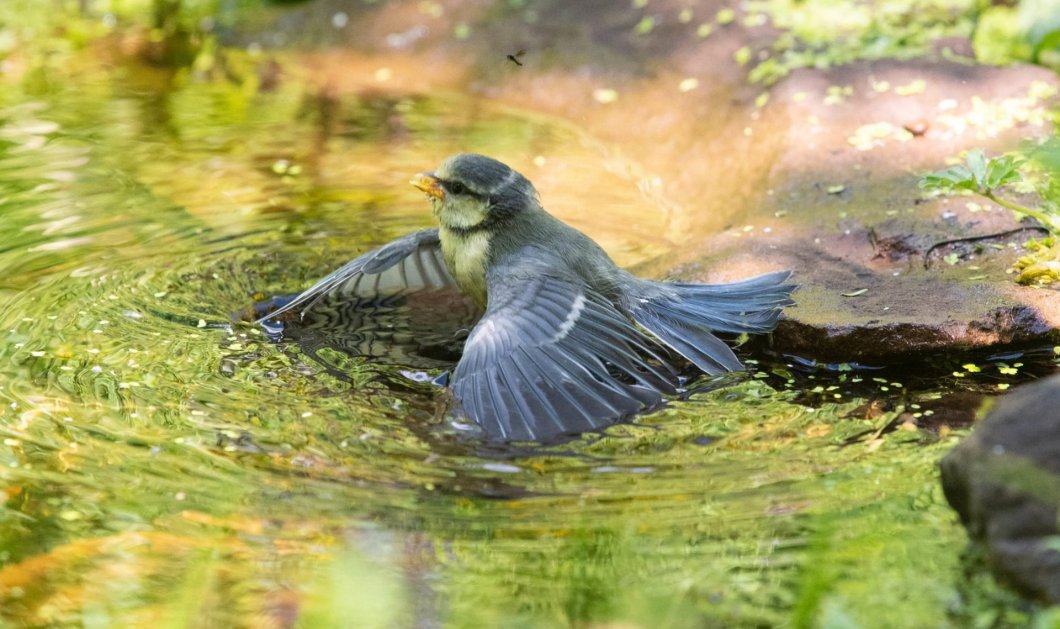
<point>849,312</point>
<point>1004,481</point>
<point>884,273</point>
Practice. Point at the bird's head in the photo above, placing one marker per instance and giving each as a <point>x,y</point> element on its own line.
<point>469,192</point>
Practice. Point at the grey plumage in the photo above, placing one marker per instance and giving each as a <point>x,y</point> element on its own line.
<point>409,264</point>
<point>553,356</point>
<point>397,303</point>
<point>684,316</point>
<point>557,350</point>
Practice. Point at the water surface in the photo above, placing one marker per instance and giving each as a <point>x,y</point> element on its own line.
<point>163,462</point>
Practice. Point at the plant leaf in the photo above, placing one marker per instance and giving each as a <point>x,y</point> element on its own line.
<point>1002,170</point>
<point>977,164</point>
<point>955,178</point>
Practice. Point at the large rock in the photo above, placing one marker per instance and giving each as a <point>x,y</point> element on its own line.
<point>1004,481</point>
<point>881,279</point>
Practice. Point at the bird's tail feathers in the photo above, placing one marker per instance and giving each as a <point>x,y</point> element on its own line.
<point>683,315</point>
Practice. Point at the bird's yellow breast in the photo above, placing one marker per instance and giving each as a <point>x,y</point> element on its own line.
<point>467,256</point>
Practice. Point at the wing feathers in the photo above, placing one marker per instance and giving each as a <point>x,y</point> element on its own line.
<point>552,357</point>
<point>539,382</point>
<point>387,271</point>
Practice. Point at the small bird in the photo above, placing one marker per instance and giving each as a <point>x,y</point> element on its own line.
<point>557,350</point>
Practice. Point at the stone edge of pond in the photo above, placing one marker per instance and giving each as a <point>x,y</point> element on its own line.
<point>866,245</point>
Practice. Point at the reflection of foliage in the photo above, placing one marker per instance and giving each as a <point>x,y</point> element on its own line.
<point>985,177</point>
<point>173,41</point>
<point>181,31</point>
<point>173,32</point>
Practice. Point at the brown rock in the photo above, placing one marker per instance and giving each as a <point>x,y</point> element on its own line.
<point>883,270</point>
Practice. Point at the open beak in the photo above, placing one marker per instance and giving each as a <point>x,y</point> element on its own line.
<point>429,184</point>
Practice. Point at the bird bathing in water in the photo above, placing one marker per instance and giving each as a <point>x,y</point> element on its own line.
<point>567,341</point>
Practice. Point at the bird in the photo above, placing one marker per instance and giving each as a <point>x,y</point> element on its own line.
<point>567,341</point>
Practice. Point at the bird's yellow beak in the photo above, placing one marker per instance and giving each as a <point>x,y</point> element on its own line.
<point>429,184</point>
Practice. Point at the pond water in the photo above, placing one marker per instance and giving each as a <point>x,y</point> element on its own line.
<point>162,462</point>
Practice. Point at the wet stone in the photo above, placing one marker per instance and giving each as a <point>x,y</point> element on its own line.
<point>888,272</point>
<point>1004,481</point>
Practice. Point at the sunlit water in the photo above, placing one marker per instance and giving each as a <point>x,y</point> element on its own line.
<point>162,461</point>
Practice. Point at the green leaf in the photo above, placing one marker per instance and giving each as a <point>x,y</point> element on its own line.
<point>955,178</point>
<point>977,164</point>
<point>1002,170</point>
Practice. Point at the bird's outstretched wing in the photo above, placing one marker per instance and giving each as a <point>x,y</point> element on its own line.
<point>551,356</point>
<point>409,264</point>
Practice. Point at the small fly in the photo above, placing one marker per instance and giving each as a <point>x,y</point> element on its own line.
<point>515,58</point>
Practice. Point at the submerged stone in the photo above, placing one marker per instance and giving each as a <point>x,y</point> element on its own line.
<point>1004,481</point>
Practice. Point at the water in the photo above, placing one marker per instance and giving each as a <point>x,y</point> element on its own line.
<point>161,461</point>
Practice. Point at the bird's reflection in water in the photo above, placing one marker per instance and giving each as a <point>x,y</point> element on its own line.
<point>421,330</point>
<point>420,336</point>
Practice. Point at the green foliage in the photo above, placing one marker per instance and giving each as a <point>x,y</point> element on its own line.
<point>980,175</point>
<point>1046,158</point>
<point>1029,31</point>
<point>984,176</point>
<point>826,33</point>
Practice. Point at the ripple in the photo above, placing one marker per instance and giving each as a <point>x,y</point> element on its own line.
<point>135,400</point>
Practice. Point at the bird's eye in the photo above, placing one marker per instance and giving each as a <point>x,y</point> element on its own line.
<point>456,187</point>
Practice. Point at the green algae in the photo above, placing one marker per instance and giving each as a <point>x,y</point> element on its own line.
<point>1041,265</point>
<point>827,33</point>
